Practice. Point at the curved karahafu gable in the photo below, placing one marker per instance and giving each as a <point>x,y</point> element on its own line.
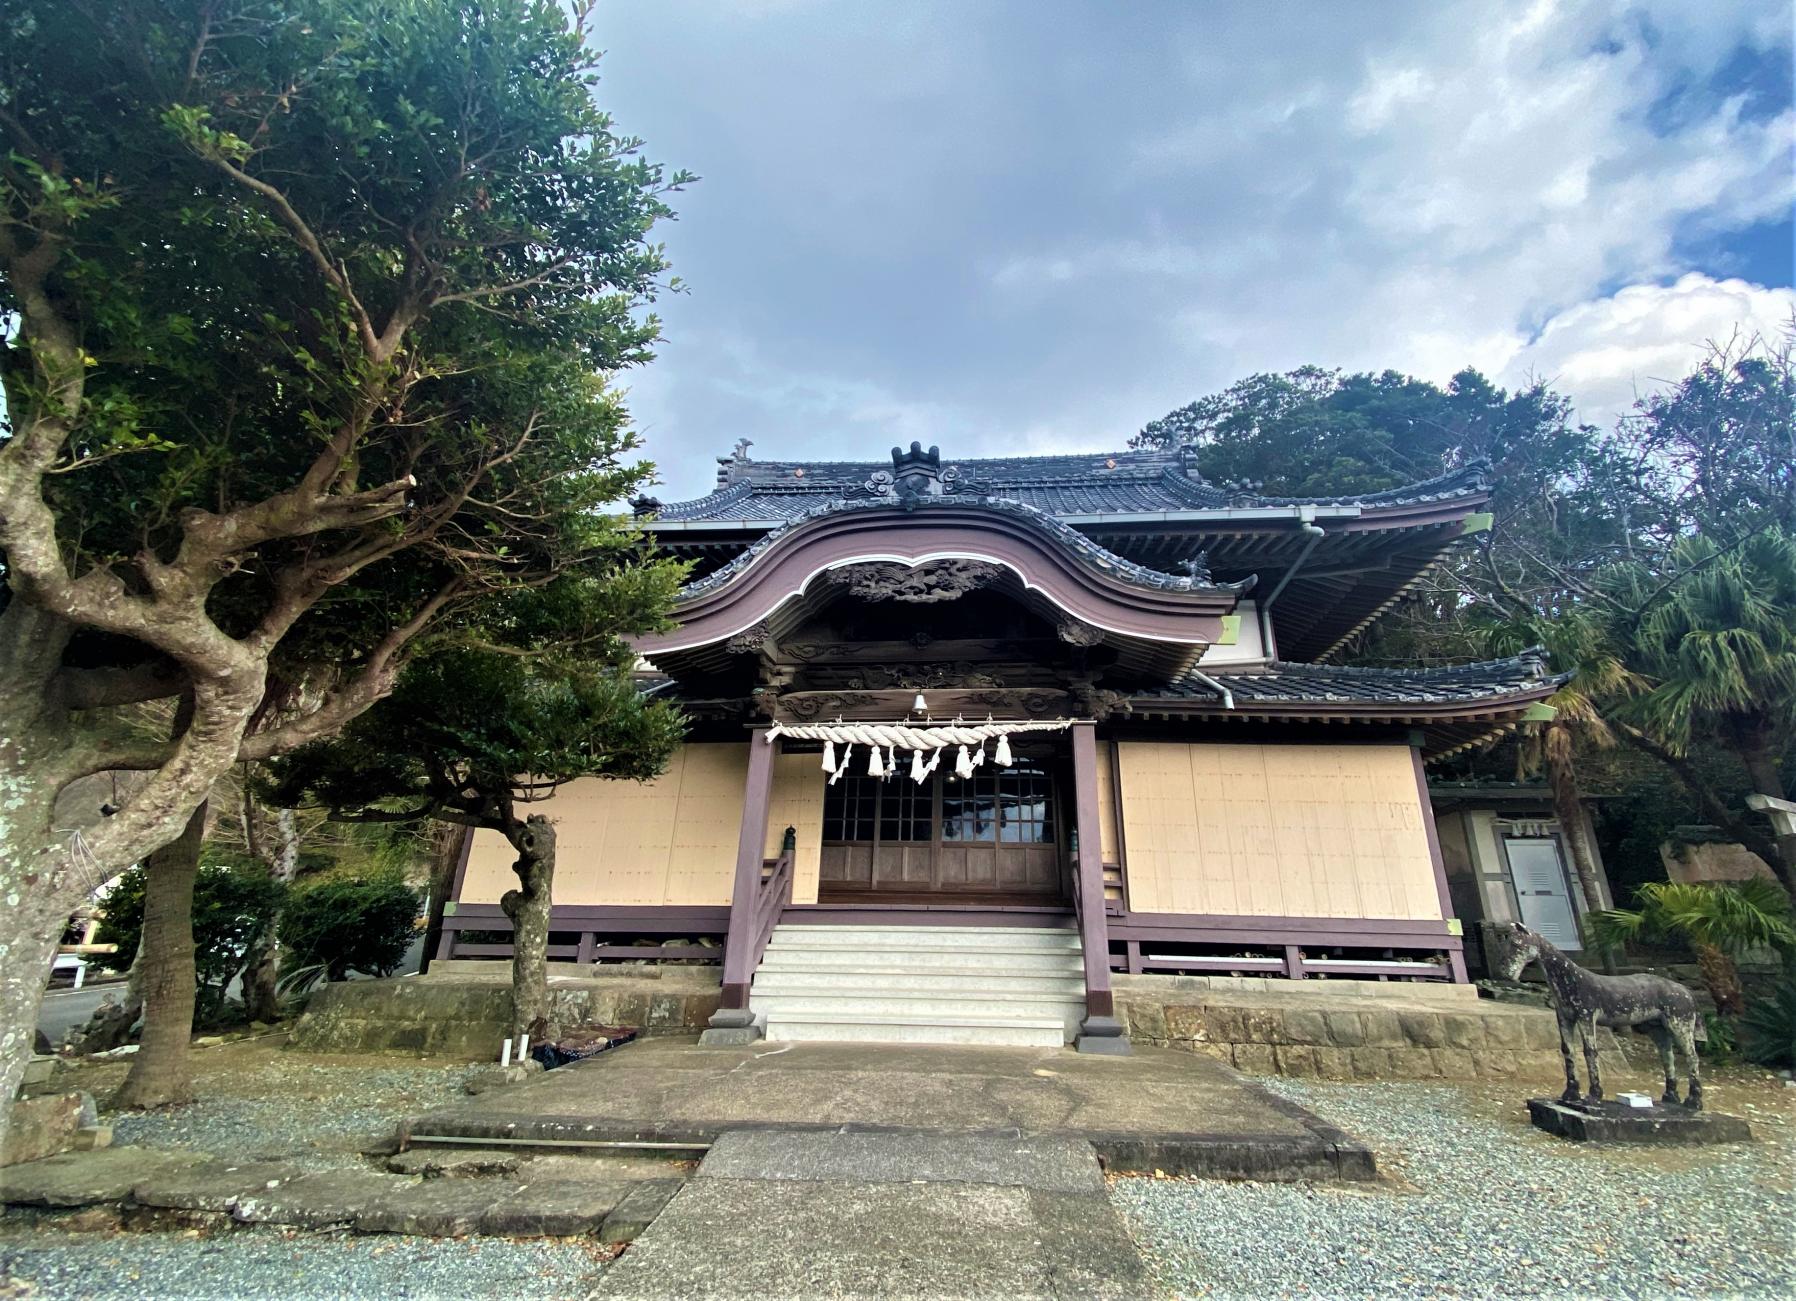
<point>1050,563</point>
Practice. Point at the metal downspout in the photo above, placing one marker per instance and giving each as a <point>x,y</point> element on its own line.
<point>1306,516</point>
<point>1228,697</point>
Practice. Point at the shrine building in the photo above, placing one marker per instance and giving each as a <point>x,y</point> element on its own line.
<point>968,738</point>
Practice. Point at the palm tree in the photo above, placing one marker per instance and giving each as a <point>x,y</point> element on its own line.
<point>1716,642</point>
<point>1576,639</point>
<point>1720,920</point>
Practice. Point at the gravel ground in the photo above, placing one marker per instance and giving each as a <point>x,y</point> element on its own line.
<point>1478,1204</point>
<point>256,1100</point>
<point>294,1106</point>
<point>41,1262</point>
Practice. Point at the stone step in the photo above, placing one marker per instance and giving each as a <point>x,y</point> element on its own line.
<point>925,958</point>
<point>987,937</point>
<point>942,979</point>
<point>1017,1032</point>
<point>974,1004</point>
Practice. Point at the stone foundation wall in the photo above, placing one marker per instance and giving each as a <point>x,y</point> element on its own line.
<point>1407,1034</point>
<point>457,1014</point>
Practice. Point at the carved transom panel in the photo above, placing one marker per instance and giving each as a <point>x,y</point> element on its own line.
<point>935,580</point>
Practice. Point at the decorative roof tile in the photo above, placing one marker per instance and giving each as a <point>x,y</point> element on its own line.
<point>1102,483</point>
<point>1082,547</point>
<point>1327,684</point>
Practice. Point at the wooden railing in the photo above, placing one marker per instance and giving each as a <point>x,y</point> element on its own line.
<point>771,899</point>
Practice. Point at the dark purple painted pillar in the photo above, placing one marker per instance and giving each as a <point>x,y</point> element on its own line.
<point>1100,1032</point>
<point>751,851</point>
<point>1455,956</point>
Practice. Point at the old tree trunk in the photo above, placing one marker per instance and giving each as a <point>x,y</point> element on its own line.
<point>1568,808</point>
<point>261,974</point>
<point>159,1070</point>
<point>528,908</point>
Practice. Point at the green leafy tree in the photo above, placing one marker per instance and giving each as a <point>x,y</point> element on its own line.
<point>1712,633</point>
<point>234,904</point>
<point>1719,920</point>
<point>312,311</point>
<point>349,923</point>
<point>474,737</point>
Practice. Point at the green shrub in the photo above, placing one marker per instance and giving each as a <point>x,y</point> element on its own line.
<point>1721,1042</point>
<point>349,923</point>
<point>1768,1030</point>
<point>234,902</point>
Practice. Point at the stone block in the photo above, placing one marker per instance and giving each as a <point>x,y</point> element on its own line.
<point>454,1162</point>
<point>1463,1032</point>
<point>1255,1059</point>
<point>1413,1063</point>
<point>1295,1059</point>
<point>1454,1063</point>
<point>1540,1031</point>
<point>39,1069</point>
<point>1502,1031</point>
<point>1346,1029</point>
<point>1331,1062</point>
<point>1382,1029</point>
<point>1615,1122</point>
<point>317,1201</point>
<point>1186,1021</point>
<point>638,1209</point>
<point>1422,1029</point>
<point>1147,1020</point>
<point>630,1007</point>
<point>1369,1063</point>
<point>85,1178</point>
<point>554,1208</point>
<point>42,1127</point>
<point>1307,1027</point>
<point>666,1011</point>
<point>437,1208</point>
<point>1224,1053</point>
<point>1265,1025</point>
<point>1495,1063</point>
<point>213,1186</point>
<point>1226,1024</point>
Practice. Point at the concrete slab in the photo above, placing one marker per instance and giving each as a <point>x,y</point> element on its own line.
<point>554,1209</point>
<point>1177,1112</point>
<point>1054,1163</point>
<point>436,1208</point>
<point>782,1238</point>
<point>87,1178</point>
<point>638,1210</point>
<point>214,1186</point>
<point>318,1201</point>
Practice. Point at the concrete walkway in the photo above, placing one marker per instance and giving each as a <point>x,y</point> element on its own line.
<point>1157,1110</point>
<point>776,1213</point>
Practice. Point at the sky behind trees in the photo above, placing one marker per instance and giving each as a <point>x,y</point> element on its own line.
<point>1016,227</point>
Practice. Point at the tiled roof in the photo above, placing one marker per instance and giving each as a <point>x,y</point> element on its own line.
<point>1102,483</point>
<point>1283,684</point>
<point>1091,553</point>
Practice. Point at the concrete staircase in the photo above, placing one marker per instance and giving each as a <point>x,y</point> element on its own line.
<point>999,985</point>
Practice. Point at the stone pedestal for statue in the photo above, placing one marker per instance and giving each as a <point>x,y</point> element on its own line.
<point>1617,1122</point>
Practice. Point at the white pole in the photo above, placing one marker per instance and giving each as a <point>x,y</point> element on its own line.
<point>505,1054</point>
<point>524,1046</point>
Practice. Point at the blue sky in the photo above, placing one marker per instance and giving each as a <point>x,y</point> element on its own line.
<point>1008,227</point>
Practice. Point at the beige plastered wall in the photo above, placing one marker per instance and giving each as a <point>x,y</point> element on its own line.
<point>1275,831</point>
<point>671,841</point>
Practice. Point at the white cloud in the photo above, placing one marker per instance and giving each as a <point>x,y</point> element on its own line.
<point>1607,352</point>
<point>976,228</point>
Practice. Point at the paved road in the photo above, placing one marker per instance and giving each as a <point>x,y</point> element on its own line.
<point>64,1009</point>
